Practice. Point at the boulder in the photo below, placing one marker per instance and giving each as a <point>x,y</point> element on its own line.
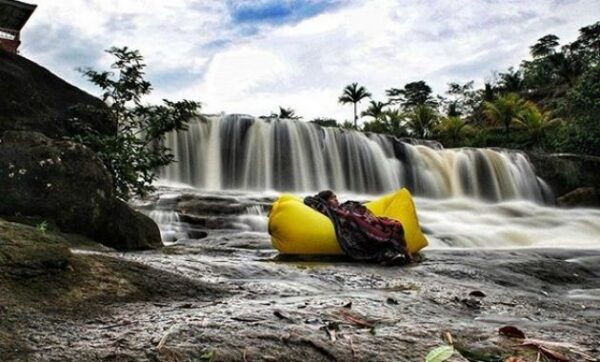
<point>583,196</point>
<point>128,229</point>
<point>34,99</point>
<point>66,183</point>
<point>565,172</point>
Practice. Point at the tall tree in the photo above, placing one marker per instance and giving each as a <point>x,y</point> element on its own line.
<point>545,46</point>
<point>374,110</point>
<point>354,94</point>
<point>413,94</point>
<point>587,45</point>
<point>504,110</point>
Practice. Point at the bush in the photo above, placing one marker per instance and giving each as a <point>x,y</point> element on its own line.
<point>135,151</point>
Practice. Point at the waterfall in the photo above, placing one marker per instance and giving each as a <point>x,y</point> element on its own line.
<point>239,152</point>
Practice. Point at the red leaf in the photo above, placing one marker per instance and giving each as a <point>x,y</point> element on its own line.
<point>511,332</point>
<point>554,354</point>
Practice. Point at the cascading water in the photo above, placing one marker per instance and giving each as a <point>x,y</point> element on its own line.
<point>240,152</point>
<point>247,162</point>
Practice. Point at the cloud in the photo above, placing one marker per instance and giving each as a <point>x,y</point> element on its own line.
<point>253,56</point>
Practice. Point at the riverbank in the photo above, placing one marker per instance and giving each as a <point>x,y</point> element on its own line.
<point>228,297</point>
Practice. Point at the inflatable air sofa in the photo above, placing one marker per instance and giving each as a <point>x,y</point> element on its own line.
<point>298,229</point>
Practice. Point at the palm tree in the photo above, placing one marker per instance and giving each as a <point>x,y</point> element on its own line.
<point>511,81</point>
<point>421,121</point>
<point>354,94</point>
<point>504,110</point>
<point>535,121</point>
<point>394,120</point>
<point>375,110</point>
<point>544,46</point>
<point>453,128</point>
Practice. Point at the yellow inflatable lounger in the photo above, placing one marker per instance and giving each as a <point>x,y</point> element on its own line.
<point>298,229</point>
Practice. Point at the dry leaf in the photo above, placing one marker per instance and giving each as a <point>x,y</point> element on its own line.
<point>356,319</point>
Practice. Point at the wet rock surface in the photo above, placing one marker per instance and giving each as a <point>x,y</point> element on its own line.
<point>230,297</point>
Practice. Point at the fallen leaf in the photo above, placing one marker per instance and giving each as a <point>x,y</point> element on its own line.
<point>544,348</point>
<point>554,354</point>
<point>356,319</point>
<point>511,332</point>
<point>440,354</point>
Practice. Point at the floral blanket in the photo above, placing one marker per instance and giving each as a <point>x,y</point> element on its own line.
<point>362,235</point>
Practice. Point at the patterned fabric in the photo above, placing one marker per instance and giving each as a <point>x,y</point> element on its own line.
<point>362,235</point>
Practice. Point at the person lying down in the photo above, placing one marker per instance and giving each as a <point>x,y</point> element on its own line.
<point>362,235</point>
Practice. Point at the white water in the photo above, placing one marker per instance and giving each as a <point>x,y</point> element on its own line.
<point>171,228</point>
<point>465,197</point>
<point>469,223</point>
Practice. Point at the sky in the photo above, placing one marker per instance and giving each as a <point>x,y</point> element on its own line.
<point>252,56</point>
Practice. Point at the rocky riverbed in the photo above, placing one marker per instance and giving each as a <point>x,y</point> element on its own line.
<point>226,295</point>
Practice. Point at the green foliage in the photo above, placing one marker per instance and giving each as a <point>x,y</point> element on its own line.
<point>287,113</point>
<point>545,46</point>
<point>325,122</point>
<point>348,125</point>
<point>375,110</point>
<point>440,354</point>
<point>43,226</point>
<point>534,121</point>
<point>413,94</point>
<point>504,110</point>
<point>391,122</point>
<point>422,121</point>
<point>511,81</point>
<point>582,133</point>
<point>452,130</point>
<point>134,153</point>
<point>354,94</point>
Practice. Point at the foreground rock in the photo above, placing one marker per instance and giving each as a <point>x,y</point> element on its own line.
<point>66,184</point>
<point>229,297</point>
<point>49,293</point>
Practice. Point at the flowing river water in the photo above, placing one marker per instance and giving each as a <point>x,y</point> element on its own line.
<point>487,198</point>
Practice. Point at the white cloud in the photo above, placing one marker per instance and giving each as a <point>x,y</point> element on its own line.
<point>305,65</point>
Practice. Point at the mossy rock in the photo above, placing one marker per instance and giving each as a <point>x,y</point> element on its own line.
<point>27,252</point>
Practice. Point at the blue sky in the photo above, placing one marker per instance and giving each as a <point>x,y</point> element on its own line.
<point>251,56</point>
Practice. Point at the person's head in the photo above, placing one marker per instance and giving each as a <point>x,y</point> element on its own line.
<point>329,196</point>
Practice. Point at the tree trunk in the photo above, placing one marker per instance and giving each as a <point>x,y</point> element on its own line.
<point>355,117</point>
